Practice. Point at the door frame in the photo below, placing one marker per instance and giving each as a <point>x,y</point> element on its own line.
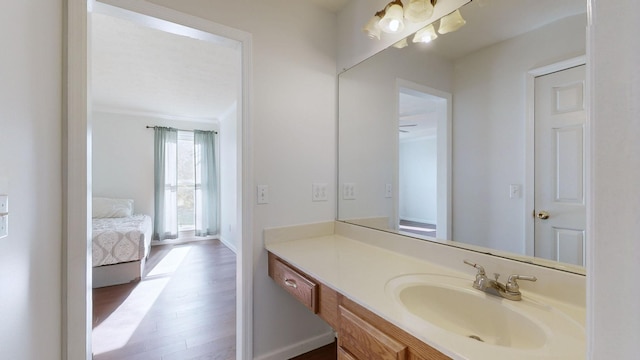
<point>76,162</point>
<point>529,178</point>
<point>444,132</point>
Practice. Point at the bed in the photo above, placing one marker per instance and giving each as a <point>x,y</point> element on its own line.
<point>120,242</point>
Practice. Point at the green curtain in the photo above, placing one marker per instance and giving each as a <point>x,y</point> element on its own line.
<point>206,183</point>
<point>165,223</point>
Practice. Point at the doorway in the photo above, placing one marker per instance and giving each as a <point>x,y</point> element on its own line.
<point>146,72</point>
<point>423,175</point>
<point>556,222</point>
<point>77,161</point>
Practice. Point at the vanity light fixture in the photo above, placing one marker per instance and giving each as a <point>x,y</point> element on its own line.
<point>401,44</point>
<point>372,28</point>
<point>451,22</point>
<point>419,10</point>
<point>425,35</point>
<point>392,21</point>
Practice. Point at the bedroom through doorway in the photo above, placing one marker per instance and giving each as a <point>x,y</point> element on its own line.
<point>150,73</point>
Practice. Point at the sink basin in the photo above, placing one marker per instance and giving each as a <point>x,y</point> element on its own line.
<point>470,313</point>
<point>451,304</point>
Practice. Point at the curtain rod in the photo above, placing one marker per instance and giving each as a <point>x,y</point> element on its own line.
<point>153,127</point>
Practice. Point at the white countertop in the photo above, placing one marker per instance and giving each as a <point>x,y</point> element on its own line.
<point>361,271</point>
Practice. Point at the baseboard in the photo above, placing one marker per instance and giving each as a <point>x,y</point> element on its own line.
<point>299,348</point>
<point>230,245</point>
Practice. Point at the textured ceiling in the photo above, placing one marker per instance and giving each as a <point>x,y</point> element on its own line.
<point>492,21</point>
<point>332,5</point>
<point>138,69</point>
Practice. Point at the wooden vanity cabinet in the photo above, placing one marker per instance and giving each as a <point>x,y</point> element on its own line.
<point>391,342</point>
<point>319,298</point>
<point>362,335</point>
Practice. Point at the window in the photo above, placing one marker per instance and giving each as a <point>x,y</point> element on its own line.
<point>186,172</point>
<point>186,183</point>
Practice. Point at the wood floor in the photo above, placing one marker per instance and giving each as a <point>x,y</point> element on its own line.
<point>183,309</point>
<point>328,352</point>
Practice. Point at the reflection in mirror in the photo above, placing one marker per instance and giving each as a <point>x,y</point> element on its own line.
<point>486,73</point>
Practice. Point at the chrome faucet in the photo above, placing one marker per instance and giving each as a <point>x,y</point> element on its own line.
<point>509,291</point>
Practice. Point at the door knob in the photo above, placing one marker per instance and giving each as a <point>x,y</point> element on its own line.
<point>542,215</point>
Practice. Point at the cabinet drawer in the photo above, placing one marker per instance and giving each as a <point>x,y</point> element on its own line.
<point>343,355</point>
<point>365,341</point>
<point>294,282</point>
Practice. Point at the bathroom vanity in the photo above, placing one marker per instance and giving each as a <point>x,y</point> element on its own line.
<point>392,297</point>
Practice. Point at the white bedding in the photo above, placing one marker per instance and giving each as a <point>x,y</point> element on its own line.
<point>118,240</point>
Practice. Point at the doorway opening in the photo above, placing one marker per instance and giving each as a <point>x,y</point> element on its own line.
<point>423,160</point>
<point>127,100</point>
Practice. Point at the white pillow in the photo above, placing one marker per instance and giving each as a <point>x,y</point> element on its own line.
<point>112,208</point>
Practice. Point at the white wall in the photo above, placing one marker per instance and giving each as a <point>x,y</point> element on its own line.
<point>489,109</point>
<point>30,173</point>
<point>123,156</point>
<point>227,136</point>
<point>613,314</point>
<point>418,180</point>
<point>294,145</point>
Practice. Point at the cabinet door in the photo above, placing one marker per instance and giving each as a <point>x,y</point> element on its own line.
<point>364,341</point>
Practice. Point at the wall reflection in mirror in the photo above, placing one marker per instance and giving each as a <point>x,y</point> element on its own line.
<point>473,138</point>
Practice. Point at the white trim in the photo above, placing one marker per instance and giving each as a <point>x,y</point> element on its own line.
<point>77,315</point>
<point>299,348</point>
<point>444,161</point>
<point>76,165</point>
<point>529,168</point>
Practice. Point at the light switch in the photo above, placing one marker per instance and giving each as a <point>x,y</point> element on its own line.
<point>4,226</point>
<point>349,191</point>
<point>4,215</point>
<point>4,203</point>
<point>263,194</point>
<point>319,192</point>
<point>388,191</point>
<point>515,191</point>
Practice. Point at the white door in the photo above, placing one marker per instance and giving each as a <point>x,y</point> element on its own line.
<point>560,211</point>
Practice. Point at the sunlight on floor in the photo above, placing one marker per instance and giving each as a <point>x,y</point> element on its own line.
<point>116,330</point>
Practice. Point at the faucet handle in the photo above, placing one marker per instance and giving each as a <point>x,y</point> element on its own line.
<point>479,267</point>
<point>512,284</point>
<point>481,278</point>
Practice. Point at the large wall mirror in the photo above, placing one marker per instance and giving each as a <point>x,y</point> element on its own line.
<point>476,139</point>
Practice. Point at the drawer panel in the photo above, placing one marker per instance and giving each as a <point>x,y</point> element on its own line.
<point>294,282</point>
<point>364,341</point>
<point>343,355</point>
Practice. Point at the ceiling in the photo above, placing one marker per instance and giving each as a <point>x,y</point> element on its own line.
<point>332,5</point>
<point>491,21</point>
<point>142,70</point>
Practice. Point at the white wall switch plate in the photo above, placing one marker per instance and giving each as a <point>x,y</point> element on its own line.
<point>319,192</point>
<point>515,191</point>
<point>388,191</point>
<point>4,203</point>
<point>349,191</point>
<point>4,226</point>
<point>263,194</point>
